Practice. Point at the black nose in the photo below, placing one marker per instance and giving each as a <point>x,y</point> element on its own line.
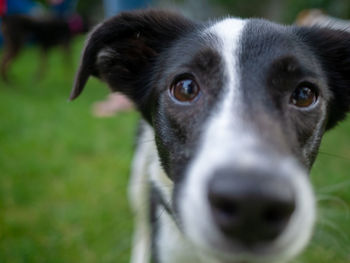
<point>250,207</point>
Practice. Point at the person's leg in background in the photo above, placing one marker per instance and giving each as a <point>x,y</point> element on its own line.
<point>27,7</point>
<point>63,8</point>
<point>113,7</point>
<point>3,8</point>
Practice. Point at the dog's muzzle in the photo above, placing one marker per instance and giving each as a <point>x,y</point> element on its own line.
<point>250,207</point>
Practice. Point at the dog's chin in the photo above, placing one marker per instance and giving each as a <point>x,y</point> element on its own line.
<point>227,251</point>
<point>234,252</point>
<point>215,248</point>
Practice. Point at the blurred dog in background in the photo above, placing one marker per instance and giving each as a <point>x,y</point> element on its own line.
<point>317,17</point>
<point>45,32</point>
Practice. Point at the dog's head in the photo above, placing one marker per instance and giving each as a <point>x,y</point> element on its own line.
<point>238,109</point>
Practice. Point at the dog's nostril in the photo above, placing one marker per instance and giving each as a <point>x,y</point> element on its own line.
<point>251,209</point>
<point>225,207</point>
<point>226,212</point>
<point>278,213</point>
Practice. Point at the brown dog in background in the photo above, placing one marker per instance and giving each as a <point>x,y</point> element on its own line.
<point>45,32</point>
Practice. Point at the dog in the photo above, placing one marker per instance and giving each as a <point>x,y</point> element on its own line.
<point>317,17</point>
<point>46,32</point>
<point>233,114</point>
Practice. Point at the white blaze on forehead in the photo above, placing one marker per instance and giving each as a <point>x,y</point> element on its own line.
<point>216,136</point>
<point>228,33</point>
<point>218,132</point>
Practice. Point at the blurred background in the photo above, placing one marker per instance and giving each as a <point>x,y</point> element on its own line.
<point>64,171</point>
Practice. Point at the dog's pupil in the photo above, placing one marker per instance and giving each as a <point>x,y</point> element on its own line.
<point>185,90</point>
<point>303,97</point>
<point>187,87</point>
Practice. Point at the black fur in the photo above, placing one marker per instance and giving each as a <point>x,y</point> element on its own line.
<point>137,39</point>
<point>273,63</point>
<point>332,47</point>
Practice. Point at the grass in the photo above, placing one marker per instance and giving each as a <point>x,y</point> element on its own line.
<point>63,174</point>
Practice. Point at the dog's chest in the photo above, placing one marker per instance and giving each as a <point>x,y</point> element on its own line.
<point>169,244</point>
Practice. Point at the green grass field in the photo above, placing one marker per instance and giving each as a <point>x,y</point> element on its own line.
<point>63,174</point>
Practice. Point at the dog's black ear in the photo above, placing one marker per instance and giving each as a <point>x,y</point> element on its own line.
<point>121,50</point>
<point>332,47</point>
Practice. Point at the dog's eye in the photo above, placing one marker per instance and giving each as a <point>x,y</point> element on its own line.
<point>184,90</point>
<point>304,95</point>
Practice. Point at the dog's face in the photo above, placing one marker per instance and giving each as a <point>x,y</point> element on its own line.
<point>238,109</point>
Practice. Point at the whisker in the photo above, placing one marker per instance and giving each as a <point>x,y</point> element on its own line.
<point>334,155</point>
<point>160,213</point>
<point>334,187</point>
<point>325,238</point>
<point>163,186</point>
<point>146,141</point>
<point>330,224</point>
<point>338,200</point>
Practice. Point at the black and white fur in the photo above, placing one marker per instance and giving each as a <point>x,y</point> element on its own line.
<point>241,130</point>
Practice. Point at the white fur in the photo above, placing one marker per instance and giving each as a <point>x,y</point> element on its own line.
<point>160,180</point>
<point>139,188</point>
<point>216,137</point>
<point>146,169</point>
<point>105,54</point>
<point>172,246</point>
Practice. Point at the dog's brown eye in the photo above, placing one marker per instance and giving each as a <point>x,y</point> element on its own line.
<point>184,90</point>
<point>304,96</point>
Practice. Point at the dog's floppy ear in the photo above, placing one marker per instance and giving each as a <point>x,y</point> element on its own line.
<point>332,47</point>
<point>121,50</point>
